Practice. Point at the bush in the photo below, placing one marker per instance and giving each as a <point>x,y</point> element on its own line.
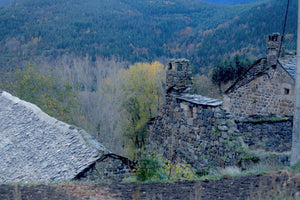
<point>154,168</point>
<point>150,167</point>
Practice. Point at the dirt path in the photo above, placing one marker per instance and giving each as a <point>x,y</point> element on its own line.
<point>269,186</point>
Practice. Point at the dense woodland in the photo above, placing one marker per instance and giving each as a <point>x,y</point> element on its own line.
<point>222,2</point>
<point>140,30</point>
<point>100,64</point>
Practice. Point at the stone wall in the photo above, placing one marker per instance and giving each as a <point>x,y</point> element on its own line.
<point>267,91</point>
<point>272,134</point>
<point>109,168</point>
<point>178,76</point>
<point>192,128</point>
<point>196,130</point>
<point>273,45</point>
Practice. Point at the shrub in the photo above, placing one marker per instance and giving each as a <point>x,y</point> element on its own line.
<point>155,168</point>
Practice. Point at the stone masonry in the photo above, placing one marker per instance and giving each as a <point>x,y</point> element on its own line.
<point>193,128</point>
<point>272,134</point>
<point>266,88</point>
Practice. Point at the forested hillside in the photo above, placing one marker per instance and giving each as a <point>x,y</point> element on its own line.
<point>226,2</point>
<point>5,2</point>
<point>245,34</point>
<point>138,30</point>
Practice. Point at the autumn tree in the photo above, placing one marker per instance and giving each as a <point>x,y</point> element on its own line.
<point>52,96</point>
<point>143,97</point>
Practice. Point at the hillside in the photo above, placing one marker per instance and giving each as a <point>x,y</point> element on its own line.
<point>5,2</point>
<point>244,34</point>
<point>226,2</point>
<point>138,30</point>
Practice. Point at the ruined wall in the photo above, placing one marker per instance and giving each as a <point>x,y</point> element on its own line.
<point>178,76</point>
<point>272,134</point>
<point>272,92</point>
<point>192,128</point>
<point>202,135</point>
<point>110,168</point>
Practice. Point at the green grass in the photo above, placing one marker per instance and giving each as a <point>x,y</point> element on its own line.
<point>270,119</point>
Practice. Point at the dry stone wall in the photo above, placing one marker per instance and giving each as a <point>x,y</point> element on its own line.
<point>109,168</point>
<point>202,134</point>
<point>272,134</point>
<point>192,128</point>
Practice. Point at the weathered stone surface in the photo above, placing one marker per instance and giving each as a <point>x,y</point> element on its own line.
<point>194,129</point>
<point>289,64</point>
<point>35,147</point>
<point>273,136</point>
<point>266,88</point>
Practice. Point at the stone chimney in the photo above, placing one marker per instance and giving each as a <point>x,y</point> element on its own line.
<point>273,46</point>
<point>179,76</point>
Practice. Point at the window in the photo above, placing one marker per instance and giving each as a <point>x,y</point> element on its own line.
<point>286,91</point>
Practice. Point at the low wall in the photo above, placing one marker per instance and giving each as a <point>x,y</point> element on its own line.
<point>109,168</point>
<point>268,133</point>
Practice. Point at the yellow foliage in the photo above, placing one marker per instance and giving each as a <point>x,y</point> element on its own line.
<point>138,92</point>
<point>33,86</point>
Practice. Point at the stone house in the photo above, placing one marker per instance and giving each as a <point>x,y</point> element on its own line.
<point>35,147</point>
<point>192,128</point>
<point>267,87</point>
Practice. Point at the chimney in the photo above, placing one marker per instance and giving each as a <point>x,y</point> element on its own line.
<point>273,48</point>
<point>179,76</point>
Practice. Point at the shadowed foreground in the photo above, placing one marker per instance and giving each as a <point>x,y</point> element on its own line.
<point>270,186</point>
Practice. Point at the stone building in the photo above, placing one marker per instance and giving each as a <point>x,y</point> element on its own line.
<point>192,128</point>
<point>267,87</point>
<point>35,147</point>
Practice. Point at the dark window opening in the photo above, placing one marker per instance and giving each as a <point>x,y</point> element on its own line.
<point>170,65</point>
<point>273,37</point>
<point>286,91</point>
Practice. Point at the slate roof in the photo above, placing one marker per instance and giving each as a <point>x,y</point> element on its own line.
<point>289,64</point>
<point>35,147</point>
<point>200,100</point>
<point>260,67</point>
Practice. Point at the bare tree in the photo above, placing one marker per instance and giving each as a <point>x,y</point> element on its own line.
<point>99,90</point>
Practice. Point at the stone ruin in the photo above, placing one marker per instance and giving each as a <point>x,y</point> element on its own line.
<point>193,128</point>
<point>197,130</point>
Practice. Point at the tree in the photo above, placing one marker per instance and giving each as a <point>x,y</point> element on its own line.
<point>203,85</point>
<point>229,70</point>
<point>144,95</point>
<point>53,97</point>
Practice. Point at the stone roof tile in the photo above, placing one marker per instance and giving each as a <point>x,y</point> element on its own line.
<point>35,147</point>
<point>289,64</point>
<point>200,100</point>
